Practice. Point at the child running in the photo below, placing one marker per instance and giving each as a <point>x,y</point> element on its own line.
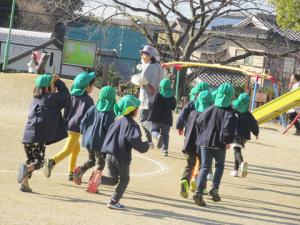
<point>204,100</point>
<point>161,115</point>
<point>123,135</point>
<point>215,131</point>
<point>78,105</point>
<point>45,124</point>
<point>94,127</point>
<point>245,125</point>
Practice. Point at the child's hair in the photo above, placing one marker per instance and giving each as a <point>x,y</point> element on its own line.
<point>92,82</point>
<point>131,114</point>
<point>153,60</point>
<point>297,76</point>
<point>38,92</point>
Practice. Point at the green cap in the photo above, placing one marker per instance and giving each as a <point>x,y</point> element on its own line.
<point>224,95</point>
<point>44,80</point>
<point>204,100</point>
<point>126,105</point>
<point>107,99</point>
<point>80,83</point>
<point>201,86</point>
<point>241,104</point>
<point>165,88</point>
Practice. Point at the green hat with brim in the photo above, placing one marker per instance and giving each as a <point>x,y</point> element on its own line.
<point>81,82</point>
<point>165,88</point>
<point>202,86</point>
<point>224,95</point>
<point>44,80</point>
<point>107,99</point>
<point>241,104</point>
<point>126,105</point>
<point>204,100</point>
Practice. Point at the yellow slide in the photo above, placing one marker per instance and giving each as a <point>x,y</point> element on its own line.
<point>278,106</point>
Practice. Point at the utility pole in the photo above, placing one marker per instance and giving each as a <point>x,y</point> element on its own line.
<point>6,53</point>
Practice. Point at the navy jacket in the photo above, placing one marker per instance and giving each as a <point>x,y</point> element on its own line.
<point>216,127</point>
<point>75,110</point>
<point>45,122</point>
<point>123,135</point>
<point>190,135</point>
<point>184,114</point>
<point>94,127</point>
<point>246,124</point>
<point>161,110</point>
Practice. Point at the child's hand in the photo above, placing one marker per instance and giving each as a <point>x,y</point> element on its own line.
<point>55,77</point>
<point>227,146</point>
<point>180,131</point>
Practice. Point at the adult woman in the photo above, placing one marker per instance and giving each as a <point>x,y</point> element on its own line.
<point>148,80</point>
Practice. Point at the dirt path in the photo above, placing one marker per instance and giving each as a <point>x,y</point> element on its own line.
<point>270,194</point>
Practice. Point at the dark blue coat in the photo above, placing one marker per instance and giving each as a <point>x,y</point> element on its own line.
<point>190,134</point>
<point>216,127</point>
<point>161,110</point>
<point>45,123</point>
<point>184,114</point>
<point>246,124</point>
<point>123,135</point>
<point>94,127</point>
<point>75,110</point>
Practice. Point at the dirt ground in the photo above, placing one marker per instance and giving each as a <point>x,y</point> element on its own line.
<point>270,194</point>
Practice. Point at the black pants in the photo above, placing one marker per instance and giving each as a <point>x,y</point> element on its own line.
<point>35,153</point>
<point>238,158</point>
<point>291,118</point>
<point>116,173</point>
<point>94,157</point>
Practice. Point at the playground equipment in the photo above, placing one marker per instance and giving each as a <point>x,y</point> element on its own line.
<point>278,106</point>
<point>262,114</point>
<point>179,65</point>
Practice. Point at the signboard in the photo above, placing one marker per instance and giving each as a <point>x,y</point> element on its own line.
<point>79,53</point>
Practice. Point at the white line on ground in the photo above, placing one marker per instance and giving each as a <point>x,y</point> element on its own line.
<point>161,168</point>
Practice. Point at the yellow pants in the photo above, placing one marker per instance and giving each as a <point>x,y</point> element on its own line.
<point>71,149</point>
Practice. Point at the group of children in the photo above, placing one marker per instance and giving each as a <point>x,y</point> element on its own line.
<point>211,123</point>
<point>109,141</point>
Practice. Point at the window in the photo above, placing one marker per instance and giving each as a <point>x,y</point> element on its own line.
<point>246,61</point>
<point>51,59</point>
<point>289,65</point>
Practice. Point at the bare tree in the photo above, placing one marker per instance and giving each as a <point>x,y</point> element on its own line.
<point>194,16</point>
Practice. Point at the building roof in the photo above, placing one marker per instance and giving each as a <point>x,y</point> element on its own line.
<point>260,26</point>
<point>213,45</point>
<point>25,42</point>
<point>215,77</point>
<point>22,41</point>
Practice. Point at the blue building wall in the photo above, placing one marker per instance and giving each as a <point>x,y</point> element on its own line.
<point>111,38</point>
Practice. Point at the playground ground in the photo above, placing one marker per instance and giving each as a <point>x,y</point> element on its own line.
<point>270,194</point>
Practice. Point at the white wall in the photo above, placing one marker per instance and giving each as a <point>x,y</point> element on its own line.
<point>21,64</point>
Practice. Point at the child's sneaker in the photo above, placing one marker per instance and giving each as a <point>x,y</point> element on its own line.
<point>25,188</point>
<point>159,141</point>
<point>184,187</point>
<point>71,176</point>
<point>193,185</point>
<point>243,168</point>
<point>199,200</point>
<point>210,176</point>
<point>48,167</point>
<point>234,173</point>
<point>215,195</point>
<point>77,175</point>
<point>115,205</point>
<point>165,152</point>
